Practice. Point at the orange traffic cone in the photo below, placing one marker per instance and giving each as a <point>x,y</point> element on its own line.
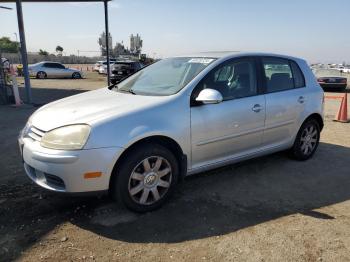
<point>342,115</point>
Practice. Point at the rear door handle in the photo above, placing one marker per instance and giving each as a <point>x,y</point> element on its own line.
<point>301,99</point>
<point>257,108</point>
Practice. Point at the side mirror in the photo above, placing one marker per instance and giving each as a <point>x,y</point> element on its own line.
<point>209,96</point>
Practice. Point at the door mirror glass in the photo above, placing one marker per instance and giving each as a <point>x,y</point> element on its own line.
<point>209,96</point>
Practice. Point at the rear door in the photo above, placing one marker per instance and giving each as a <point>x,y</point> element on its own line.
<point>285,99</point>
<point>235,126</point>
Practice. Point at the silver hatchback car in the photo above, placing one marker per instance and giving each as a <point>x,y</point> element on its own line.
<point>176,117</point>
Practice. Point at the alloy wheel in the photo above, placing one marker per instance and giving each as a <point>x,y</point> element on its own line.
<point>308,140</point>
<point>150,180</point>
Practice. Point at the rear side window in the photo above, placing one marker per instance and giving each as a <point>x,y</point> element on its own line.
<point>299,79</point>
<point>278,74</point>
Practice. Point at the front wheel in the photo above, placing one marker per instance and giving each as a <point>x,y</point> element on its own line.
<point>146,178</point>
<point>76,75</point>
<point>307,140</point>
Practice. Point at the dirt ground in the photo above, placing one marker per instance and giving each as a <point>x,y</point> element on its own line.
<point>266,209</point>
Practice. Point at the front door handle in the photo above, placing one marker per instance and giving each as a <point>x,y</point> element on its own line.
<point>257,108</point>
<point>301,99</point>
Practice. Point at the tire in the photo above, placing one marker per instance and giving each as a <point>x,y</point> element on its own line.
<point>306,141</point>
<point>143,187</point>
<point>76,75</point>
<point>41,75</point>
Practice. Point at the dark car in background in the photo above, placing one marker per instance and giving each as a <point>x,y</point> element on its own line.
<point>331,79</point>
<point>122,69</point>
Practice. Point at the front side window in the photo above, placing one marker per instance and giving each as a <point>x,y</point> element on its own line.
<point>165,77</point>
<point>59,66</point>
<point>278,74</point>
<point>233,79</point>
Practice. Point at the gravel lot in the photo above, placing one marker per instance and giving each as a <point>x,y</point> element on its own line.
<point>266,209</point>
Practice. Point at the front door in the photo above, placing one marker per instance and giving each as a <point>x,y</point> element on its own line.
<point>233,127</point>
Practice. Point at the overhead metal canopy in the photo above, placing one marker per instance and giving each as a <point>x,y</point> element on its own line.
<point>23,41</point>
<point>53,1</point>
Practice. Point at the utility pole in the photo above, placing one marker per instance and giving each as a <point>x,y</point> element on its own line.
<point>23,51</point>
<point>107,42</point>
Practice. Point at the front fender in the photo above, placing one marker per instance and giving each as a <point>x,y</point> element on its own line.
<point>170,119</point>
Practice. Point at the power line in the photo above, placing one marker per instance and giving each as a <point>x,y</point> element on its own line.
<point>5,7</point>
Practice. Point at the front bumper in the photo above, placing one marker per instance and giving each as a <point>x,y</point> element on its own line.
<point>63,171</point>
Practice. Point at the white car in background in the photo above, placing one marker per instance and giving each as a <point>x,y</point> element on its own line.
<point>103,68</point>
<point>101,63</point>
<point>343,69</point>
<point>97,66</point>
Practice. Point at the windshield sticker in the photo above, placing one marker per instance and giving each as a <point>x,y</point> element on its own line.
<point>201,60</point>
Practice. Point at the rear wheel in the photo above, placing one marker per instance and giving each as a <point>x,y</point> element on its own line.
<point>307,140</point>
<point>146,178</point>
<point>41,75</point>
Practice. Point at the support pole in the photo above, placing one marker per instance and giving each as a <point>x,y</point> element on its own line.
<point>23,51</point>
<point>107,42</point>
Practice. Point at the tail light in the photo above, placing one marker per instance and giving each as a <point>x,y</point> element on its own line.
<point>320,80</point>
<point>343,81</point>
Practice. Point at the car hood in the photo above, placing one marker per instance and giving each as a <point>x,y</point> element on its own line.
<point>91,107</point>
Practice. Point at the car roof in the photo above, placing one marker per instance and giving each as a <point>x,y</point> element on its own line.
<point>232,54</point>
<point>49,62</point>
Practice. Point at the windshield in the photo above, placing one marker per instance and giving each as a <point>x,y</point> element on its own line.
<point>165,77</point>
<point>327,72</point>
<point>36,64</point>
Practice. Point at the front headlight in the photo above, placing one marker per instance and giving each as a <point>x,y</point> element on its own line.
<point>71,137</point>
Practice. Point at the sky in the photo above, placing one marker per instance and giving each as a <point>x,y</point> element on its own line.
<point>317,30</point>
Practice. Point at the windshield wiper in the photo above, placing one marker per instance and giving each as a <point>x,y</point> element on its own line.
<point>112,86</point>
<point>121,90</point>
<point>127,91</point>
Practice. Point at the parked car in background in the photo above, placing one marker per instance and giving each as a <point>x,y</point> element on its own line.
<point>47,69</point>
<point>99,64</point>
<point>122,69</point>
<point>103,68</point>
<point>344,69</point>
<point>176,117</point>
<point>331,79</point>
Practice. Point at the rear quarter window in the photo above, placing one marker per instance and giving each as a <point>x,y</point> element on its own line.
<point>299,79</point>
<point>278,74</point>
<point>282,74</point>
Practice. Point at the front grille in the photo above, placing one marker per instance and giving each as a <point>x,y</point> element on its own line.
<point>35,133</point>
